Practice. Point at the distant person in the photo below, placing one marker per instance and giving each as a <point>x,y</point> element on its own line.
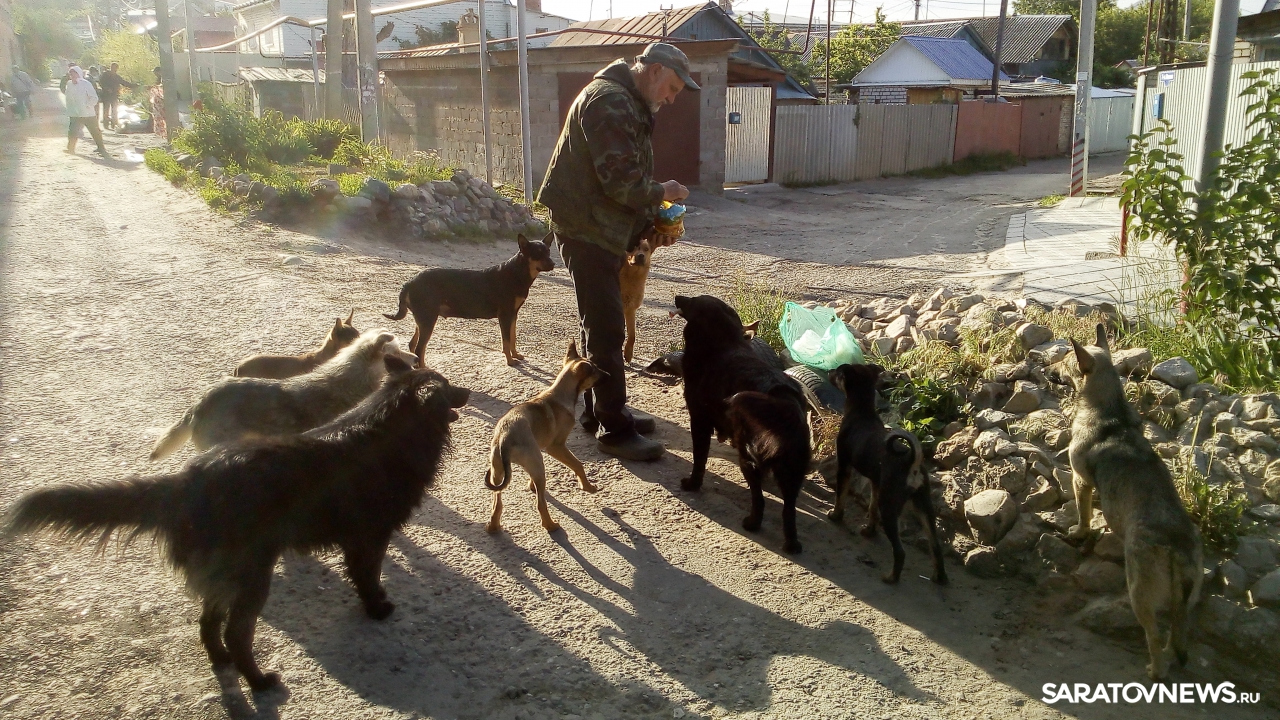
<point>23,86</point>
<point>157,107</point>
<point>109,84</point>
<point>82,101</point>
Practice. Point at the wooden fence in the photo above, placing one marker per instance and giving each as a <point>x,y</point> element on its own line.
<point>839,143</point>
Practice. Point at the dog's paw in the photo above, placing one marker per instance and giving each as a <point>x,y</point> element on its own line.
<point>940,578</point>
<point>591,488</point>
<point>551,527</point>
<point>867,531</point>
<point>493,528</point>
<point>1078,532</point>
<point>751,523</point>
<point>836,515</point>
<point>690,484</point>
<point>889,578</point>
<point>379,610</point>
<point>792,547</point>
<point>264,683</point>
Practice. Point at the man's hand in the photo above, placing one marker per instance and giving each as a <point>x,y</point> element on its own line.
<point>673,191</point>
<point>657,239</point>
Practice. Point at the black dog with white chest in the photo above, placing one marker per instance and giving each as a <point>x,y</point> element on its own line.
<point>495,292</point>
<point>730,390</point>
<point>890,459</point>
<point>226,518</point>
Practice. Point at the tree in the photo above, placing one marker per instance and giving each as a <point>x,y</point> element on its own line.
<point>426,36</point>
<point>776,37</point>
<point>855,47</point>
<point>45,33</point>
<point>137,55</point>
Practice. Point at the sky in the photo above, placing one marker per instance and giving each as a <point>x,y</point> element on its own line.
<point>862,11</point>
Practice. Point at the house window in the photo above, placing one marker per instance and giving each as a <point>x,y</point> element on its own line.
<point>541,30</point>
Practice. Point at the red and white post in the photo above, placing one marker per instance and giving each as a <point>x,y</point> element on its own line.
<point>1084,86</point>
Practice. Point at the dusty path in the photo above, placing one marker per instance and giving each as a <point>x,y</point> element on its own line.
<point>121,298</point>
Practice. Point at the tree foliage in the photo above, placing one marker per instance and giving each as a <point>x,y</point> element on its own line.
<point>776,37</point>
<point>45,33</point>
<point>1227,235</point>
<point>137,55</point>
<point>855,47</point>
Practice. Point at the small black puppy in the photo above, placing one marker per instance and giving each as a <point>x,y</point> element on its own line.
<point>495,292</point>
<point>767,421</point>
<point>890,459</point>
<point>227,517</point>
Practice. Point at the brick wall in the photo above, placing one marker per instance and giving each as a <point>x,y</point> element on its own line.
<point>439,110</point>
<point>880,94</point>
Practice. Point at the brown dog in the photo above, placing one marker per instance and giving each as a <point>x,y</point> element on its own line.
<point>632,277</point>
<point>541,424</point>
<point>279,367</point>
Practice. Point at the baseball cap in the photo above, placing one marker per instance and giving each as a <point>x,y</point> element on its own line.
<point>669,56</point>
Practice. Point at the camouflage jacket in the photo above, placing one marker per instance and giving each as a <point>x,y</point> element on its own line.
<point>600,186</point>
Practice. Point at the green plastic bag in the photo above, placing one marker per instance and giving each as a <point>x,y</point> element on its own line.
<point>818,338</point>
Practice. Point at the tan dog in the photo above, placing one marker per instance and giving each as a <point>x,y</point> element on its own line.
<point>279,367</point>
<point>632,277</point>
<point>1163,557</point>
<point>541,424</point>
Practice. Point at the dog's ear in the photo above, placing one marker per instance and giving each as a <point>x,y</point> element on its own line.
<point>1083,358</point>
<point>337,324</point>
<point>380,342</point>
<point>750,329</point>
<point>395,365</point>
<point>523,242</point>
<point>875,369</point>
<point>352,314</point>
<point>549,238</point>
<point>573,351</point>
<point>1102,338</point>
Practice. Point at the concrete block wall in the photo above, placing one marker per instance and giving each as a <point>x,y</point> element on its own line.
<point>714,97</point>
<point>877,94</point>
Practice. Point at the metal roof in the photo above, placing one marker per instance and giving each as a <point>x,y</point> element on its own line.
<point>942,29</point>
<point>1024,35</point>
<point>277,74</point>
<point>953,56</point>
<point>648,24</point>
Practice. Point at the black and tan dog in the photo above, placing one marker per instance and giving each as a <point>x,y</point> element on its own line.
<point>767,419</point>
<point>279,367</point>
<point>541,424</point>
<point>891,460</point>
<point>1163,555</point>
<point>495,292</point>
<point>225,519</point>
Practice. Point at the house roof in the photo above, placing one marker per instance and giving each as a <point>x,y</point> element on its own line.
<point>953,56</point>
<point>1266,21</point>
<point>1024,35</point>
<point>277,74</point>
<point>648,24</point>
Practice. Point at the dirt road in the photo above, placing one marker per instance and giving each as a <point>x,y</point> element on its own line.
<point>122,298</point>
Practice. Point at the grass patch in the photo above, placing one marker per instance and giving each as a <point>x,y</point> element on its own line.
<point>995,162</point>
<point>1050,200</point>
<point>761,301</point>
<point>798,185</point>
<point>1218,510</point>
<point>215,195</point>
<point>163,162</point>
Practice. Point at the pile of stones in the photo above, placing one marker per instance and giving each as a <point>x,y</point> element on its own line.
<point>1002,480</point>
<point>460,207</point>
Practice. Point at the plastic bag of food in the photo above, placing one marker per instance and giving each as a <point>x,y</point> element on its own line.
<point>670,219</point>
<point>818,338</point>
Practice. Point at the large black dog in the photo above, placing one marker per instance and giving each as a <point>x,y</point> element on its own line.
<point>729,389</point>
<point>890,459</point>
<point>227,517</point>
<point>495,292</point>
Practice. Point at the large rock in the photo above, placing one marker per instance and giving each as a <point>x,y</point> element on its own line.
<point>1266,592</point>
<point>1057,553</point>
<point>375,190</point>
<point>991,513</point>
<point>991,395</point>
<point>1099,576</point>
<point>1044,498</point>
<point>1032,335</point>
<point>1271,481</point>
<point>1254,440</point>
<point>963,304</point>
<point>988,418</point>
<point>325,189</point>
<point>1022,537</point>
<point>1175,371</point>
<point>1007,473</point>
<point>1025,398</point>
<point>1109,547</point>
<point>1131,360</point>
<point>1234,579</point>
<point>984,562</point>
<point>953,451</point>
<point>991,444</point>
<point>899,328</point>
<point>1112,616</point>
<point>357,205</point>
<point>1009,372</point>
<point>1257,555</point>
<point>407,191</point>
<point>1050,352</point>
<point>1255,408</point>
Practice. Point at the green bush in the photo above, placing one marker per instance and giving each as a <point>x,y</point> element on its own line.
<point>215,195</point>
<point>350,183</point>
<point>926,406</point>
<point>164,163</point>
<point>326,135</point>
<point>228,133</point>
<point>1218,510</point>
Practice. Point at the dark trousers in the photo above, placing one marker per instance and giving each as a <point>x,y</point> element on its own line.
<point>595,282</point>
<point>109,105</point>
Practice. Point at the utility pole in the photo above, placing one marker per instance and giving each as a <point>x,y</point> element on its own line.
<point>1084,88</point>
<point>1222,40</point>
<point>1186,20</point>
<point>333,61</point>
<point>826,62</point>
<point>193,75</point>
<point>995,67</point>
<point>526,152</point>
<point>367,59</point>
<point>917,9</point>
<point>1160,45</point>
<point>167,83</point>
<point>1146,37</point>
<point>484,94</point>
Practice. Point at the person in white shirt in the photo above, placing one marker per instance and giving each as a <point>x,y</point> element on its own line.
<point>82,109</point>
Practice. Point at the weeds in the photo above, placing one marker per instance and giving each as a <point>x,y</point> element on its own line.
<point>926,406</point>
<point>164,163</point>
<point>759,301</point>
<point>1049,201</point>
<point>996,162</point>
<point>1216,509</point>
<point>215,195</point>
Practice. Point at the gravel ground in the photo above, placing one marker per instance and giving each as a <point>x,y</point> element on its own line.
<point>123,298</point>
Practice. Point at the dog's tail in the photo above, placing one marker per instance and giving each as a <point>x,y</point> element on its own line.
<point>175,437</point>
<point>404,305</point>
<point>905,453</point>
<point>498,458</point>
<point>87,511</point>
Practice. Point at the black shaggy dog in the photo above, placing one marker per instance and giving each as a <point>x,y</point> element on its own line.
<point>495,292</point>
<point>890,459</point>
<point>729,389</point>
<point>229,515</point>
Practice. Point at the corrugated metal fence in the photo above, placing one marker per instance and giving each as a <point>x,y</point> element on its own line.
<point>840,143</point>
<point>746,142</point>
<point>1183,107</point>
<point>1110,122</point>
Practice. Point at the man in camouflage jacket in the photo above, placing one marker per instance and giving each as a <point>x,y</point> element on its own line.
<point>602,197</point>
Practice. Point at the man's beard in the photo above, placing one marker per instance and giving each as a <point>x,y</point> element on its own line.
<point>655,107</point>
